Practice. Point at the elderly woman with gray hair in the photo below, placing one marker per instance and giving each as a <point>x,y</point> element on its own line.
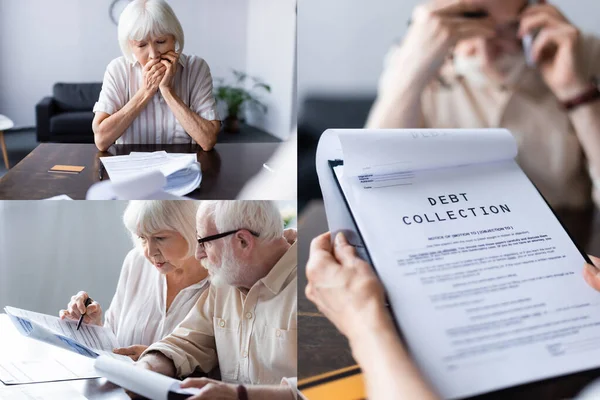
<point>155,94</point>
<point>160,281</point>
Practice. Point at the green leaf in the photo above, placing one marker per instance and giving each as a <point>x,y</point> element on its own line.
<point>263,86</point>
<point>235,95</point>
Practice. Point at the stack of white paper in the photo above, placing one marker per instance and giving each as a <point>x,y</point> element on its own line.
<point>146,186</point>
<point>182,171</point>
<point>59,197</point>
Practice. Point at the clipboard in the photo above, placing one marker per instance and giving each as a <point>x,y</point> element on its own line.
<point>340,218</point>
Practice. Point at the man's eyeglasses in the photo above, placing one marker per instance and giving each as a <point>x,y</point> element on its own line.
<point>222,235</point>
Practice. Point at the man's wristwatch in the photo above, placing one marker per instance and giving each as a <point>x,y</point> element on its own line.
<point>242,393</point>
<point>590,95</point>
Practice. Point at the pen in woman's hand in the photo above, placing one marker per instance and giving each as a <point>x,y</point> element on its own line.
<point>100,169</point>
<point>88,301</point>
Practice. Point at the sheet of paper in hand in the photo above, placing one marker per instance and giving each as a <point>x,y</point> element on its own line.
<point>484,282</point>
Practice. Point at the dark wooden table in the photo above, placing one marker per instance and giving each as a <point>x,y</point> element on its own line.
<point>321,348</point>
<point>225,169</point>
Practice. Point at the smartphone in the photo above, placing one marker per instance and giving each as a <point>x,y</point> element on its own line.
<point>475,14</point>
<point>528,42</point>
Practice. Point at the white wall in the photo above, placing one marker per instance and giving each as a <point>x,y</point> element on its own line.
<point>49,250</point>
<point>271,56</point>
<point>341,44</point>
<point>42,42</point>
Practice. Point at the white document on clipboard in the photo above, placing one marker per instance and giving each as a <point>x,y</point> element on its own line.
<point>483,281</point>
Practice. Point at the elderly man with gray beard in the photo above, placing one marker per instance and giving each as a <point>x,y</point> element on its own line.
<point>246,322</point>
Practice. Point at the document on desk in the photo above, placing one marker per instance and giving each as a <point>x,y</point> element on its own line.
<point>90,340</point>
<point>64,368</point>
<point>149,186</point>
<point>181,170</point>
<point>484,282</point>
<point>40,392</point>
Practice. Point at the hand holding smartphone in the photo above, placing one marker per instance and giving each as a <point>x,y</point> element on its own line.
<point>528,42</point>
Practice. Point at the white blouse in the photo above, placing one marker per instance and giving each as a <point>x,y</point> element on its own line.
<point>156,123</point>
<point>137,313</point>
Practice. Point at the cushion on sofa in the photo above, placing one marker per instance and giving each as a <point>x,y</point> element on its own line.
<point>76,96</point>
<point>318,113</point>
<point>72,123</point>
<point>323,112</point>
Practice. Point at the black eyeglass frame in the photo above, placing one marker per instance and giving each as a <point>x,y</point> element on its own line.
<point>222,235</point>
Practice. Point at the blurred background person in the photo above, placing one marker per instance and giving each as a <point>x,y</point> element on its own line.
<point>451,70</point>
<point>455,70</point>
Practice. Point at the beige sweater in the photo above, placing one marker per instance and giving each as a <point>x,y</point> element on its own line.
<point>549,150</point>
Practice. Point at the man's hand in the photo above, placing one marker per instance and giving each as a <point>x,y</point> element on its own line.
<point>134,352</point>
<point>169,61</point>
<point>591,274</point>
<point>211,389</point>
<point>345,288</point>
<point>555,50</point>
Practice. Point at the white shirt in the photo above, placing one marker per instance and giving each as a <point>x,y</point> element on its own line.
<point>137,313</point>
<point>156,123</point>
<point>251,337</point>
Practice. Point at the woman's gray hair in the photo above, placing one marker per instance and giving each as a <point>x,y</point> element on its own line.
<point>262,217</point>
<point>144,18</point>
<point>147,217</point>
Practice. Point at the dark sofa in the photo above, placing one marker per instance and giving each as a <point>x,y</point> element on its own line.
<point>317,114</point>
<point>67,116</point>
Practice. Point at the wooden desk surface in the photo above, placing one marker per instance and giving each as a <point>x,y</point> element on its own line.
<point>225,169</point>
<point>14,346</point>
<point>321,348</point>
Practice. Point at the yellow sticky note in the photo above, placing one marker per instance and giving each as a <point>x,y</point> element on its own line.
<point>343,384</point>
<point>71,169</point>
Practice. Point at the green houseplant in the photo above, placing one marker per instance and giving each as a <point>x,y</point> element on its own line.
<point>237,95</point>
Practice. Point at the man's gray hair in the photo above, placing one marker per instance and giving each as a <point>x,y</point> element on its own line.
<point>262,217</point>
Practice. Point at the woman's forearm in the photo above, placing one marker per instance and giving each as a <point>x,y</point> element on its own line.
<point>398,103</point>
<point>113,127</point>
<point>203,131</point>
<point>388,370</point>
